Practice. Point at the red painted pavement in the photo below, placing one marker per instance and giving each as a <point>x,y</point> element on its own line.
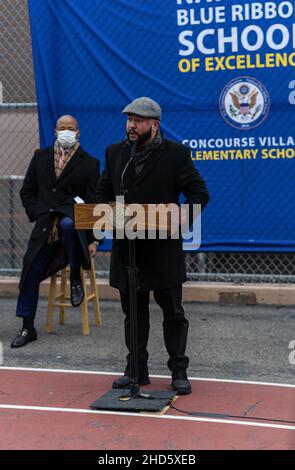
<point>31,429</point>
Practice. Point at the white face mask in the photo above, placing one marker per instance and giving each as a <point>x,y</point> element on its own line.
<point>66,139</point>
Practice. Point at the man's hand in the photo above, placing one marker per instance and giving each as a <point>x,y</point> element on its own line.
<point>92,249</point>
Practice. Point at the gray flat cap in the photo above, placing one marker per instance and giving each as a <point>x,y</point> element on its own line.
<point>145,107</point>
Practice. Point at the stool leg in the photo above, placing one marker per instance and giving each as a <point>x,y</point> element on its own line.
<point>63,290</point>
<point>96,306</point>
<point>84,306</point>
<point>51,298</point>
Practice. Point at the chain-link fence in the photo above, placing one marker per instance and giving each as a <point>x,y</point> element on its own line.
<point>19,139</point>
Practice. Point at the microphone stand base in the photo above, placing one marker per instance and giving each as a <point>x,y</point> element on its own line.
<point>132,399</point>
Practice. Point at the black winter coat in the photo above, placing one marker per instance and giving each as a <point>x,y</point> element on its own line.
<point>166,174</point>
<point>43,196</point>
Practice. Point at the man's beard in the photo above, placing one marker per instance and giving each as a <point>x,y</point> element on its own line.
<point>142,139</point>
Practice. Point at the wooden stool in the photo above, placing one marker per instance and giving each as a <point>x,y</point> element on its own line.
<point>62,296</point>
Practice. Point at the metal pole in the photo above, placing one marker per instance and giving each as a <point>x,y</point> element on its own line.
<point>12,242</point>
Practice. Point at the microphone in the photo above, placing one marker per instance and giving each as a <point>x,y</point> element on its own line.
<point>132,153</point>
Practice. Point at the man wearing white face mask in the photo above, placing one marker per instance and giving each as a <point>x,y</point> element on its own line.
<point>55,177</point>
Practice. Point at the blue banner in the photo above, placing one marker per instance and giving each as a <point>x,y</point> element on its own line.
<point>222,73</point>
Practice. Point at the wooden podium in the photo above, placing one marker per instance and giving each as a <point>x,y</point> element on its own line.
<point>152,216</point>
<point>130,399</point>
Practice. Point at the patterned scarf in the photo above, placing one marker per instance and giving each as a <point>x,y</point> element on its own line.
<point>143,154</point>
<point>57,156</point>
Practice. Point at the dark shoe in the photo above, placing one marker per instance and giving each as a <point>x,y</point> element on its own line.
<point>77,293</point>
<point>24,337</point>
<point>180,382</point>
<point>125,381</point>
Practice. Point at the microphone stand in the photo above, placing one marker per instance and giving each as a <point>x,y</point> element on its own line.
<point>133,389</point>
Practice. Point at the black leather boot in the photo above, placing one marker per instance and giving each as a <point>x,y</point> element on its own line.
<point>125,380</point>
<point>180,382</point>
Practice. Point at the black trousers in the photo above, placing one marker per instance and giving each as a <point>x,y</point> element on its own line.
<point>175,327</point>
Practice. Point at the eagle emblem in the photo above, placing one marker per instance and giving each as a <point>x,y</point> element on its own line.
<point>244,103</point>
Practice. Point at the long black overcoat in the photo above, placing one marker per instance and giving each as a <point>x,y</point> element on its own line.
<point>44,195</point>
<point>166,174</point>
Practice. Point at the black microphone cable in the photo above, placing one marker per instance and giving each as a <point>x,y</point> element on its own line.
<point>228,416</point>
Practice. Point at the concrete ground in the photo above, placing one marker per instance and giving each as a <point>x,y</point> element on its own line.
<point>225,341</point>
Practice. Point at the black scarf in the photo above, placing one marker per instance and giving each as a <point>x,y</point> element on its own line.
<point>143,154</point>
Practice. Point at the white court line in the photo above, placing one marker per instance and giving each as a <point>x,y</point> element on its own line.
<point>144,415</point>
<point>93,372</point>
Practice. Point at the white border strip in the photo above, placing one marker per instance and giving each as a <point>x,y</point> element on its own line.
<point>144,415</point>
<point>93,372</point>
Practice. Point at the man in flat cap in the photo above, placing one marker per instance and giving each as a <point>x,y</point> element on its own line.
<point>159,172</point>
<point>56,177</point>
